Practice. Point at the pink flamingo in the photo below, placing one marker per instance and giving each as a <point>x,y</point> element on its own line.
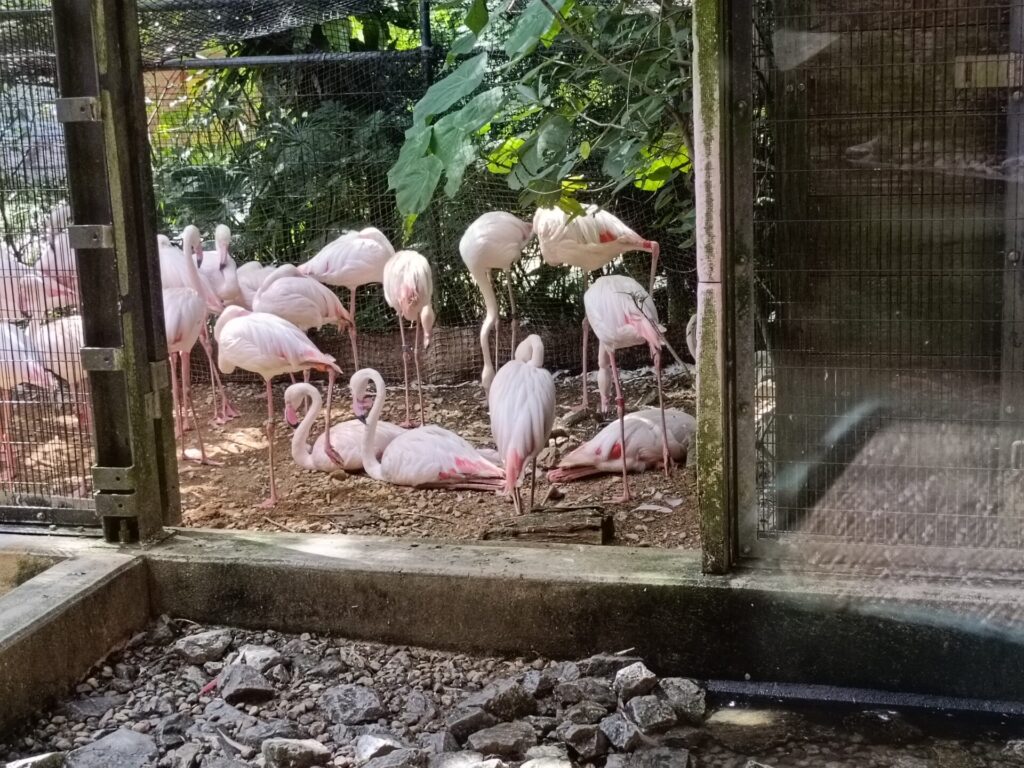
<point>267,345</point>
<point>352,260</point>
<point>522,409</point>
<point>346,437</point>
<point>12,273</point>
<point>218,269</point>
<point>184,318</point>
<point>644,440</point>
<point>426,457</point>
<point>589,242</point>
<point>493,241</point>
<point>408,289</point>
<point>623,315</point>
<point>20,363</point>
<point>180,271</point>
<point>57,261</point>
<point>250,277</point>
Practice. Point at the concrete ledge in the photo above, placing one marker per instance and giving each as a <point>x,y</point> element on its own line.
<point>59,623</point>
<point>923,635</point>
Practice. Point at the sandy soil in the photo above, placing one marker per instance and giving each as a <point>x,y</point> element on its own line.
<point>663,513</point>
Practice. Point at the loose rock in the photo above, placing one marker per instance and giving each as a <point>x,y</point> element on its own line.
<point>371,745</point>
<point>93,706</point>
<point>547,762</point>
<point>294,753</point>
<point>650,713</point>
<point>465,721</point>
<point>634,680</point>
<point>505,739</point>
<point>539,682</point>
<point>262,657</point>
<point>587,741</point>
<point>660,757</point>
<point>49,760</point>
<point>466,759</point>
<point>605,664</point>
<point>170,731</point>
<point>203,646</point>
<point>255,735</point>
<point>439,742</point>
<point>505,699</point>
<point>400,758</point>
<point>351,705</point>
<point>242,684</point>
<point>585,712</point>
<point>586,688</point>
<point>621,733</point>
<point>685,697</point>
<point>122,748</point>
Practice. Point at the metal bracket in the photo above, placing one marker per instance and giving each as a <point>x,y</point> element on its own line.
<point>1017,454</point>
<point>113,478</point>
<point>1001,70</point>
<point>86,236</point>
<point>78,109</point>
<point>102,358</point>
<point>116,504</point>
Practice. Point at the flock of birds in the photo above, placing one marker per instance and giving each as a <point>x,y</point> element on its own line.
<point>263,313</point>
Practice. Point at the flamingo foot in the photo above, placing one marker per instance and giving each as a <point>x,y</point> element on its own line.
<point>268,503</point>
<point>626,496</point>
<point>200,458</point>
<point>229,410</point>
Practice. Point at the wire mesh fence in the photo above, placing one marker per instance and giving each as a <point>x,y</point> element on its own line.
<point>887,220</point>
<point>45,439</point>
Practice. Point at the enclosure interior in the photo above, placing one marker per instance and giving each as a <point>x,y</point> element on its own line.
<point>888,277</point>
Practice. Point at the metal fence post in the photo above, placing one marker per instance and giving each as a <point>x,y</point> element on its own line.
<point>113,210</point>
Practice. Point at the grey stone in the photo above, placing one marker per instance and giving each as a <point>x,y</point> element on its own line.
<point>621,733</point>
<point>242,684</point>
<point>547,750</point>
<point>504,740</point>
<point>492,763</point>
<point>49,760</point>
<point>371,745</point>
<point>687,736</point>
<point>587,741</point>
<point>194,676</point>
<point>122,748</point>
<point>547,762</point>
<point>585,712</point>
<point>539,682</point>
<point>93,706</point>
<point>186,756</point>
<point>163,631</point>
<point>400,758</point>
<point>324,669</point>
<point>586,689</point>
<point>351,705</point>
<point>278,728</point>
<point>634,680</point>
<point>224,762</point>
<point>565,671</point>
<point>170,731</point>
<point>294,753</point>
<point>756,764</point>
<point>660,757</point>
<point>650,713</point>
<point>262,657</point>
<point>882,726</point>
<point>542,725</point>
<point>462,722</point>
<point>505,699</point>
<point>616,761</point>
<point>685,697</point>
<point>124,671</point>
<point>439,742</point>
<point>220,714</point>
<point>466,759</point>
<point>418,708</point>
<point>605,664</point>
<point>203,646</point>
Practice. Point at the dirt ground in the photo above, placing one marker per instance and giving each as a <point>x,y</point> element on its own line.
<point>662,514</point>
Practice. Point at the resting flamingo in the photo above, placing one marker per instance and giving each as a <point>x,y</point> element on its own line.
<point>178,270</point>
<point>408,289</point>
<point>346,437</point>
<point>57,262</point>
<point>493,241</point>
<point>20,363</point>
<point>250,277</point>
<point>425,457</point>
<point>645,438</point>
<point>623,315</point>
<point>184,318</point>
<point>218,269</point>
<point>356,258</point>
<point>267,345</point>
<point>522,409</point>
<point>589,241</point>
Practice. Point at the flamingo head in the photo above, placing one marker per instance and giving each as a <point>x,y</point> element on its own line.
<point>427,321</point>
<point>192,242</point>
<point>222,237</point>
<point>163,241</point>
<point>362,401</point>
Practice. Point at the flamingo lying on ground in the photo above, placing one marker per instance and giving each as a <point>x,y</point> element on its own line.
<point>20,363</point>
<point>589,242</point>
<point>218,269</point>
<point>493,241</point>
<point>408,289</point>
<point>346,437</point>
<point>267,345</point>
<point>350,261</point>
<point>644,441</point>
<point>522,409</point>
<point>426,457</point>
<point>623,315</point>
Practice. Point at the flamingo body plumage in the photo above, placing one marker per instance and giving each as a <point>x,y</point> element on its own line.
<point>409,289</point>
<point>219,270</point>
<point>250,277</point>
<point>20,363</point>
<point>304,302</point>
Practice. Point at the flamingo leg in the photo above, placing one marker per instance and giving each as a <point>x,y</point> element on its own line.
<point>533,481</point>
<point>586,333</point>
<point>419,381</point>
<point>621,404</point>
<point>179,428</point>
<point>405,370</point>
<point>517,500</point>
<point>497,337</point>
<point>227,410</point>
<point>515,316</point>
<point>661,404</point>
<point>352,328</point>
<point>186,395</point>
<point>272,500</point>
<point>655,250</point>
<point>603,376</point>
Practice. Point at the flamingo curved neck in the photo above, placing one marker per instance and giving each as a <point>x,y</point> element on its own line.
<point>302,453</point>
<point>371,464</point>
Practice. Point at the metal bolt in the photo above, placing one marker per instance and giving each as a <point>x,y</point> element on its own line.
<point>741,107</point>
<point>789,88</point>
<point>801,88</point>
<point>1017,95</point>
<point>1010,410</point>
<point>744,408</point>
<point>1012,256</point>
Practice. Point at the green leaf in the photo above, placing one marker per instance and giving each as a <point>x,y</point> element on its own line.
<point>415,188</point>
<point>534,22</point>
<point>477,17</point>
<point>501,160</point>
<point>463,44</point>
<point>444,93</point>
<point>549,37</point>
<point>584,149</point>
<point>480,110</point>
<point>417,142</point>
<point>552,136</point>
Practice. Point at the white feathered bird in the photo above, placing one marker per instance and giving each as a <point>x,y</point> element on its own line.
<point>409,289</point>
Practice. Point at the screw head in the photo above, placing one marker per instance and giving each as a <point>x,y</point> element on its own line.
<point>1013,257</point>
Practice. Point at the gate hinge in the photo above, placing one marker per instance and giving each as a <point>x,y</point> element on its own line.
<point>102,358</point>
<point>78,109</point>
<point>86,236</point>
<point>999,70</point>
<point>1017,454</point>
<point>113,479</point>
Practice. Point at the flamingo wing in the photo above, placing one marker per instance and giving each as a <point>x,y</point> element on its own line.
<point>522,408</point>
<point>434,457</point>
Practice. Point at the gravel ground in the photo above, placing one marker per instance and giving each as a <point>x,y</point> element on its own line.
<point>663,513</point>
<point>185,696</point>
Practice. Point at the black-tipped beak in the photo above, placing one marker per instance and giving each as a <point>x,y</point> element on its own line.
<point>362,418</point>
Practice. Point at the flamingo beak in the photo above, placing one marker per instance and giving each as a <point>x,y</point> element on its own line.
<point>222,251</point>
<point>361,407</point>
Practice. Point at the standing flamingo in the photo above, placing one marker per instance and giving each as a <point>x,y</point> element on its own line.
<point>493,241</point>
<point>267,345</point>
<point>250,277</point>
<point>218,269</point>
<point>178,270</point>
<point>622,315</point>
<point>408,289</point>
<point>522,409</point>
<point>184,318</point>
<point>589,242</point>
<point>425,457</point>
<point>20,363</point>
<point>11,273</point>
<point>352,260</point>
<point>346,437</point>
<point>57,261</point>
<point>645,439</point>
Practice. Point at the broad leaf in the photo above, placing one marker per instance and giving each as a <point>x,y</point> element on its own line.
<point>477,17</point>
<point>463,44</point>
<point>480,110</point>
<point>417,142</point>
<point>534,22</point>
<point>501,160</point>
<point>552,137</point>
<point>447,92</point>
<point>415,187</point>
